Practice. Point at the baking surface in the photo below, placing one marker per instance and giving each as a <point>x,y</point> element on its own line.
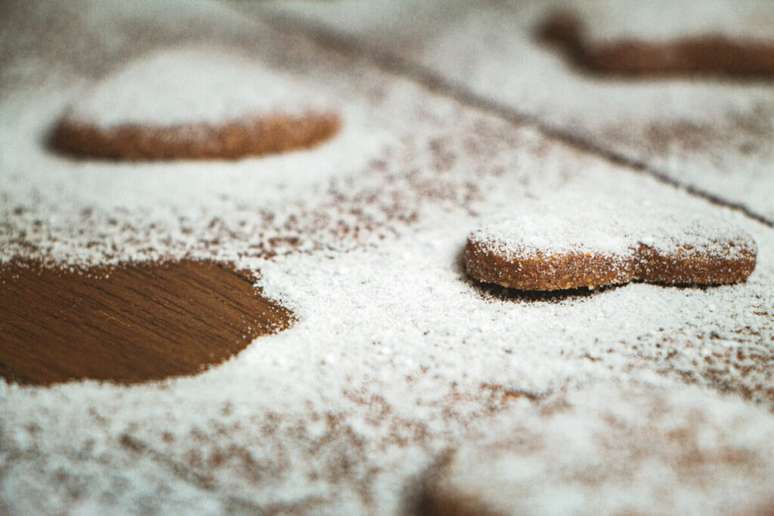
<point>392,357</point>
<point>709,134</point>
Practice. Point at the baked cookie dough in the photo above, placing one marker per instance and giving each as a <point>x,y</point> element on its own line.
<point>610,449</point>
<point>152,109</point>
<point>548,249</point>
<point>701,54</point>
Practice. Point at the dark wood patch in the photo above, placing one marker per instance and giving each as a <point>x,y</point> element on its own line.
<point>703,54</point>
<point>127,324</point>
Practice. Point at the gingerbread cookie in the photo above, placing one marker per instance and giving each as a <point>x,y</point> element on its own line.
<point>153,110</point>
<point>608,450</point>
<point>702,54</point>
<point>545,250</point>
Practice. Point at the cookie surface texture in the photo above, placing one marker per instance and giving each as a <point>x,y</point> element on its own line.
<point>602,245</point>
<point>152,109</point>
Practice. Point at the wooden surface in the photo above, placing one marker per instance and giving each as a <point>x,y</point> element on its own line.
<point>127,324</point>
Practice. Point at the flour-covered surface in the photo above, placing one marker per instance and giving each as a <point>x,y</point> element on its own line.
<point>395,355</point>
<point>713,135</point>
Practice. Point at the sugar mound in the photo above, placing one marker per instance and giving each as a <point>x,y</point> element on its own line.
<point>191,85</point>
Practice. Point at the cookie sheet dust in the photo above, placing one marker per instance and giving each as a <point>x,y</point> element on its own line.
<point>395,356</point>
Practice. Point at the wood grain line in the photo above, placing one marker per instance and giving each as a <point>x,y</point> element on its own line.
<point>127,324</point>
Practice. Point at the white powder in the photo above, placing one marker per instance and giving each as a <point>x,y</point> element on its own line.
<point>713,135</point>
<point>665,20</point>
<point>192,86</point>
<point>595,222</point>
<point>396,355</point>
<point>629,455</point>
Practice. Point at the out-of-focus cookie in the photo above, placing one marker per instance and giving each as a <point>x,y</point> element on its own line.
<point>563,245</point>
<point>702,54</point>
<point>611,450</point>
<point>194,103</point>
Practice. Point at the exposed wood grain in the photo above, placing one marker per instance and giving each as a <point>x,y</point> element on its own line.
<point>127,324</point>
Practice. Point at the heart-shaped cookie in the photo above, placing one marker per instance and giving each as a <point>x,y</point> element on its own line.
<point>128,323</point>
<point>193,103</point>
<point>586,243</point>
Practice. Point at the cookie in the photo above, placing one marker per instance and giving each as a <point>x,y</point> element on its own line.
<point>546,250</point>
<point>620,453</point>
<point>128,323</point>
<point>701,54</point>
<point>152,109</point>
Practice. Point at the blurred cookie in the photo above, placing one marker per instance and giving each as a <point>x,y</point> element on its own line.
<point>701,54</point>
<point>193,103</point>
<point>610,450</point>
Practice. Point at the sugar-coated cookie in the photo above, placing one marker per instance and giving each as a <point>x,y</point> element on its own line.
<point>153,109</point>
<point>608,450</point>
<point>562,246</point>
<point>705,54</point>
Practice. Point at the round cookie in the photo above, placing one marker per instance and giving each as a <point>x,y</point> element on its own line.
<point>152,109</point>
<point>550,248</point>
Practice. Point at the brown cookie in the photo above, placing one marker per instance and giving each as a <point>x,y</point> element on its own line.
<point>233,140</point>
<point>607,450</point>
<point>702,54</point>
<point>548,251</point>
<point>193,103</point>
<point>129,323</point>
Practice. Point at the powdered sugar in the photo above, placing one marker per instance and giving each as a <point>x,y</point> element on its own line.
<point>395,355</point>
<point>709,134</point>
<point>195,85</point>
<point>596,222</point>
<point>640,443</point>
<point>381,371</point>
<point>665,20</point>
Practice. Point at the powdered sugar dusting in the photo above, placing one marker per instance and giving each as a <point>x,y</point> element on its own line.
<point>194,85</point>
<point>395,356</point>
<point>664,20</point>
<point>592,222</point>
<point>710,134</point>
<point>639,444</point>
